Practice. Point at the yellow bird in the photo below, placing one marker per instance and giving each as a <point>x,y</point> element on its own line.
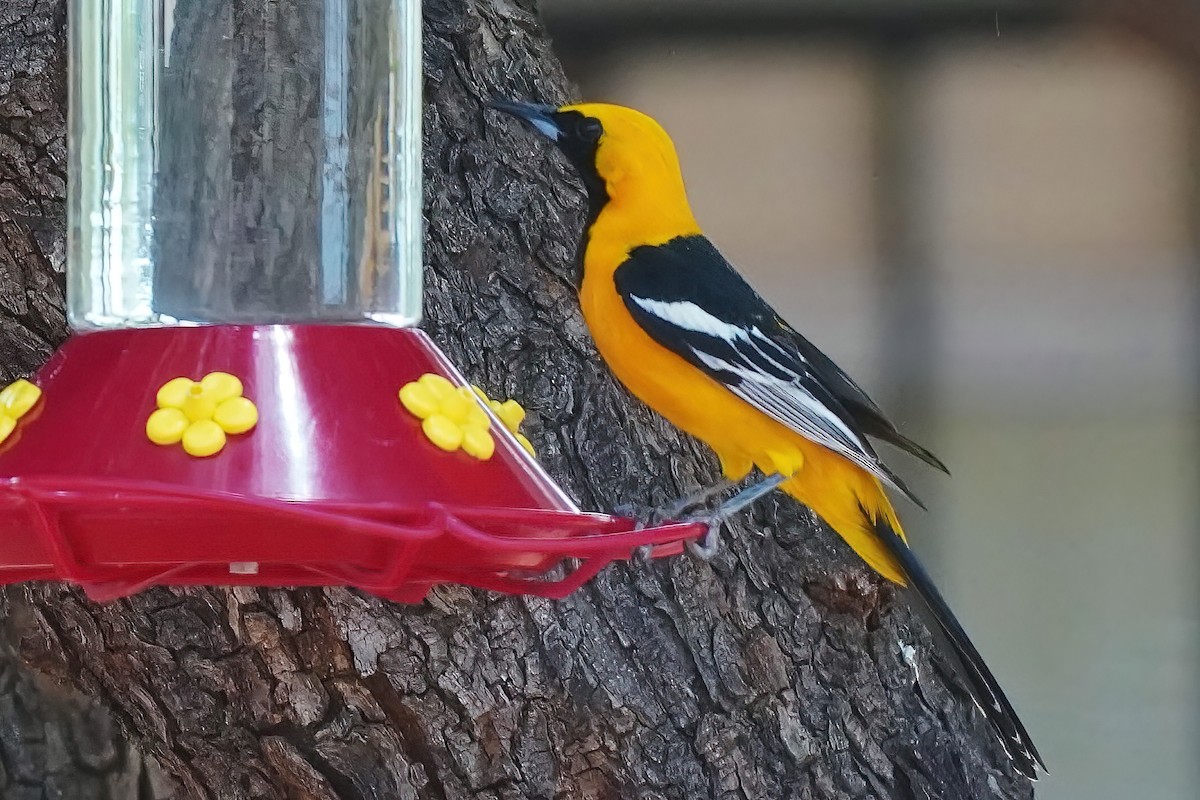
<point>688,336</point>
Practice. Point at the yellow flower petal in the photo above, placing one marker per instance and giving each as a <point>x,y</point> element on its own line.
<point>221,386</point>
<point>174,392</point>
<point>480,393</point>
<point>439,386</point>
<point>528,445</point>
<point>198,405</point>
<point>7,425</point>
<point>457,406</point>
<point>477,417</point>
<point>478,442</point>
<point>236,415</point>
<point>511,414</point>
<point>18,397</point>
<point>203,438</point>
<point>418,399</point>
<point>166,426</point>
<point>442,431</point>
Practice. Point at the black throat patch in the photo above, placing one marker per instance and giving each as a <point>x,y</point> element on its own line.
<point>581,152</point>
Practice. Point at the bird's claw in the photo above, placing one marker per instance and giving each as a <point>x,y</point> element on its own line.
<point>710,544</point>
<point>675,510</point>
<point>643,553</point>
<point>642,518</point>
<point>697,499</point>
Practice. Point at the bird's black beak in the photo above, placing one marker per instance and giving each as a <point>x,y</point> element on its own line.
<point>539,117</point>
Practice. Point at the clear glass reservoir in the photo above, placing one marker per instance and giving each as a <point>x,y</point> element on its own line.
<point>244,161</point>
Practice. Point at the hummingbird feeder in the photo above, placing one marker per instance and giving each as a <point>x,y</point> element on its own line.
<point>245,398</point>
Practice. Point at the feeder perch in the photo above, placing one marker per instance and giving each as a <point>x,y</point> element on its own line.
<point>244,281</point>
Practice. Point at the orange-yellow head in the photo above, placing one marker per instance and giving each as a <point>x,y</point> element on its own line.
<point>623,156</point>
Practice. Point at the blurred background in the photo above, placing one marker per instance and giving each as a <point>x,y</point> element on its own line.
<point>988,213</point>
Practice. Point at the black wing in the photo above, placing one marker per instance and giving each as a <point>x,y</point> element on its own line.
<point>866,414</point>
<point>691,301</point>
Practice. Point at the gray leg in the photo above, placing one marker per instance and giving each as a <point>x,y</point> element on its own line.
<point>674,509</point>
<point>707,548</point>
<point>696,498</point>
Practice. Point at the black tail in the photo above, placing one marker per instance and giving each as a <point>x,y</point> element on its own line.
<point>984,688</point>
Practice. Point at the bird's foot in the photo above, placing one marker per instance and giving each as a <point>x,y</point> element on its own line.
<point>643,517</point>
<point>700,497</point>
<point>643,553</point>
<point>710,544</point>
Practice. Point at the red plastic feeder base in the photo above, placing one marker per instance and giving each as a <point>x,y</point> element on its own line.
<point>335,485</point>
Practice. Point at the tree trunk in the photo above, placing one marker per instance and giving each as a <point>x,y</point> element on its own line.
<point>54,742</point>
<point>780,669</point>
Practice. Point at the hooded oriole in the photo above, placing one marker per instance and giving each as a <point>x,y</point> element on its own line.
<point>689,337</point>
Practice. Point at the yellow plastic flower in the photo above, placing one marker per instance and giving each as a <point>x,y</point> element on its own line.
<point>16,400</point>
<point>453,417</point>
<point>201,413</point>
<point>511,414</point>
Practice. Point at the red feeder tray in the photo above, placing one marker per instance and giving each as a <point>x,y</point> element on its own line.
<point>336,485</point>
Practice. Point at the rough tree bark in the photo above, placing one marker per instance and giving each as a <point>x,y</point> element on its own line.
<point>780,669</point>
<point>53,741</point>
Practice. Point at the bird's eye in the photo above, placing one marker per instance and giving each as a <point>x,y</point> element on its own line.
<point>590,129</point>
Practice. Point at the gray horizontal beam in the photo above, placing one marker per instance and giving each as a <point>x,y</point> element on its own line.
<point>581,20</point>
